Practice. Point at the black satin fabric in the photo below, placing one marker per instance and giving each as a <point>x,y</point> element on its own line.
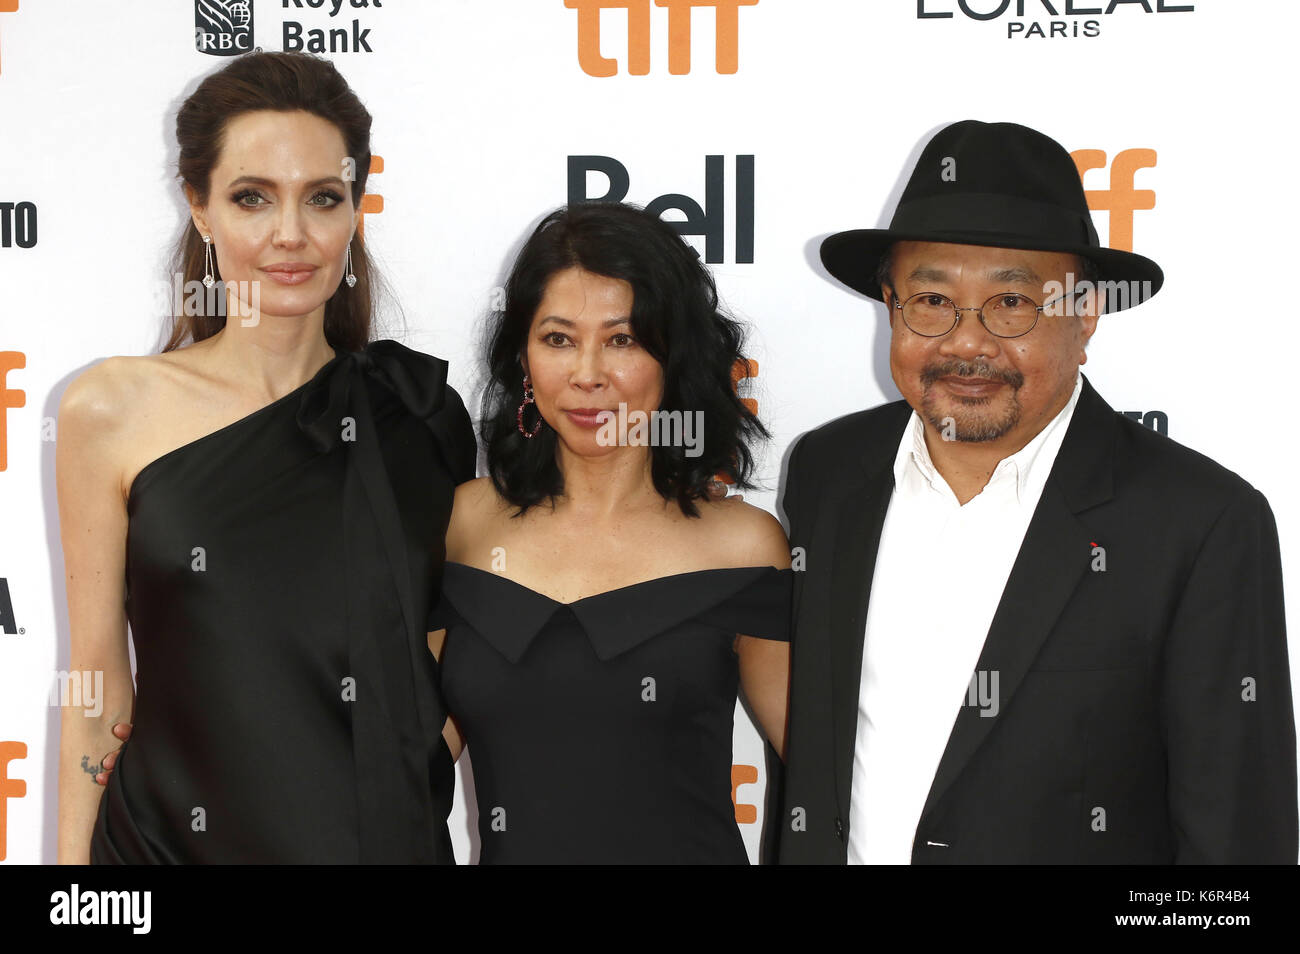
<point>600,731</point>
<point>279,576</point>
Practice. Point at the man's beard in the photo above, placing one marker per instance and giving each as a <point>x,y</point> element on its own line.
<point>971,420</point>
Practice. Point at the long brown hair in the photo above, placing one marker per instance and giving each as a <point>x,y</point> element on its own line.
<point>283,82</point>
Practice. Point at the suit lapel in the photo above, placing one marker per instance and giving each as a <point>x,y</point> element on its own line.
<point>1052,559</point>
<point>857,517</point>
<point>857,540</point>
<point>1054,555</point>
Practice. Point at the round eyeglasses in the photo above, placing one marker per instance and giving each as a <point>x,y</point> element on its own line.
<point>1006,314</point>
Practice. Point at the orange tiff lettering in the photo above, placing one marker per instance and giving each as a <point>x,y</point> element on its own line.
<point>9,788</point>
<point>593,63</point>
<point>1121,200</point>
<point>743,775</point>
<point>9,397</point>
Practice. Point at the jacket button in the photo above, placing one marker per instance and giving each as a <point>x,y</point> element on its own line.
<point>839,829</point>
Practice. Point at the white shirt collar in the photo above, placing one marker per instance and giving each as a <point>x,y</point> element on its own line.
<point>1019,466</point>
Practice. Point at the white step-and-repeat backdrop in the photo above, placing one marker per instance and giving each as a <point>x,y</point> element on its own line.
<point>773,122</point>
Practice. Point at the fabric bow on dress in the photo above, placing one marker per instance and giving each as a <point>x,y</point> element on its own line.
<point>396,679</point>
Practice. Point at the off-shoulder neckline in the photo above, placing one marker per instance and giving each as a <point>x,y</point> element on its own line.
<point>618,589</point>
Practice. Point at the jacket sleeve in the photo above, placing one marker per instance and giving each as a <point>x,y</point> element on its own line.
<point>793,484</point>
<point>774,816</point>
<point>802,827</point>
<point>1225,698</point>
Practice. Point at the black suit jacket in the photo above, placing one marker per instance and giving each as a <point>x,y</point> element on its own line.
<point>1144,713</point>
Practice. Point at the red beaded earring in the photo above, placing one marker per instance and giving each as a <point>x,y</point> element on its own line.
<point>528,399</point>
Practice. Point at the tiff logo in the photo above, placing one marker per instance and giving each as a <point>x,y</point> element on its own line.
<point>9,397</point>
<point>372,203</point>
<point>727,19</point>
<point>1121,200</point>
<point>9,788</point>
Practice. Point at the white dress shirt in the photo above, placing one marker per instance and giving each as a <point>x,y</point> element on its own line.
<point>940,572</point>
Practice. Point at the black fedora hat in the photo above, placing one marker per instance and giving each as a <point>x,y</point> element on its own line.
<point>996,184</point>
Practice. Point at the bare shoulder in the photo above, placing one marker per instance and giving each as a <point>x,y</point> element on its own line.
<point>475,493</point>
<point>99,401</point>
<point>749,535</point>
<point>475,508</point>
<point>113,393</point>
<point>125,410</point>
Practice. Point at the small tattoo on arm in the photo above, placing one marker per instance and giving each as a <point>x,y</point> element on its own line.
<point>91,770</point>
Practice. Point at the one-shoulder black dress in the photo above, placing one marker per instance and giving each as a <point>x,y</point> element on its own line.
<point>279,575</point>
<point>600,731</point>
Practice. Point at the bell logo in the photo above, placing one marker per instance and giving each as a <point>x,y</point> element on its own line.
<point>727,18</point>
<point>706,220</point>
<point>9,788</point>
<point>1121,200</point>
<point>9,397</point>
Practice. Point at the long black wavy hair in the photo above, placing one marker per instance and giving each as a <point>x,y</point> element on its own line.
<point>675,317</point>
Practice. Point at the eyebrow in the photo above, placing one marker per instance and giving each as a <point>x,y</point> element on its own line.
<point>1018,274</point>
<point>269,183</point>
<point>607,323</point>
<point>925,273</point>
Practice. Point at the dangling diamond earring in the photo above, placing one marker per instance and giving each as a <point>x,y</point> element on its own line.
<point>347,272</point>
<point>208,279</point>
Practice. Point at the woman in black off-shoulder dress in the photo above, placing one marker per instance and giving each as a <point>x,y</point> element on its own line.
<point>599,611</point>
<point>279,568</point>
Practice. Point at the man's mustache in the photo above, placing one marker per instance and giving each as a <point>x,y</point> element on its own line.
<point>955,367</point>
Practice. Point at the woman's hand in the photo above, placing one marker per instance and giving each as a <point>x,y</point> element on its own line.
<point>123,731</point>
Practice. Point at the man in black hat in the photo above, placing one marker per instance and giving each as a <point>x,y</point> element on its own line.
<point>1028,628</point>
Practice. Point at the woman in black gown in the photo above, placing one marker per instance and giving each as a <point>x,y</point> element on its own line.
<point>599,611</point>
<point>266,506</point>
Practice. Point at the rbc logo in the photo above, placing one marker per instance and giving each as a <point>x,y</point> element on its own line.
<point>223,27</point>
<point>707,221</point>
